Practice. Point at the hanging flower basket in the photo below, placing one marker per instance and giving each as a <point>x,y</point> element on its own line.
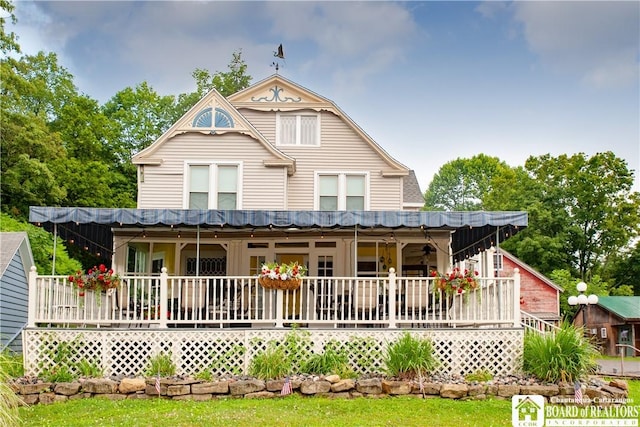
<point>285,285</point>
<point>281,276</point>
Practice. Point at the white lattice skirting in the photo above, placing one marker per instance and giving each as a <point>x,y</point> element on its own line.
<point>118,352</point>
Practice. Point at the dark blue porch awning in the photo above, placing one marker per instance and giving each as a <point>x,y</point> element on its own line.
<point>473,230</point>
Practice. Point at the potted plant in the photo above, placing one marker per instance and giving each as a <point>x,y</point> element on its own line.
<point>281,276</point>
<point>96,279</point>
<point>457,281</point>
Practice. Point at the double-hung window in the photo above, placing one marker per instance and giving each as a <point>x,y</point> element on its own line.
<point>298,129</point>
<point>212,186</point>
<point>341,191</point>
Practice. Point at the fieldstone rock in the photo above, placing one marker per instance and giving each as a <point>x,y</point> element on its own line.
<point>178,390</point>
<point>476,390</point>
<point>396,387</point>
<point>621,384</point>
<point>315,387</point>
<point>100,386</point>
<point>246,386</point>
<point>30,399</point>
<point>565,389</point>
<point>454,391</point>
<point>194,397</point>
<point>150,389</point>
<point>131,385</point>
<point>369,386</point>
<point>260,395</point>
<point>47,398</point>
<point>67,389</point>
<point>543,390</point>
<point>508,390</point>
<point>431,389</point>
<point>343,385</point>
<point>332,378</point>
<point>615,392</point>
<point>34,388</point>
<point>492,390</point>
<point>595,393</point>
<point>216,387</point>
<point>111,396</point>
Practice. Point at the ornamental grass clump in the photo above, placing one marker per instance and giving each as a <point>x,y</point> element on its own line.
<point>409,357</point>
<point>9,400</point>
<point>564,355</point>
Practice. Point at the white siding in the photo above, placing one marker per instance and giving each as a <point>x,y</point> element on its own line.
<point>163,185</point>
<point>341,149</point>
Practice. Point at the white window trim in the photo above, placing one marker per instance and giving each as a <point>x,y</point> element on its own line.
<point>213,184</point>
<point>342,188</point>
<point>298,119</point>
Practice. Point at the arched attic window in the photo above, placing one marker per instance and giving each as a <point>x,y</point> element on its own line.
<point>204,119</point>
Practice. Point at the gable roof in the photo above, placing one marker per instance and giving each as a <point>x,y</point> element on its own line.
<point>523,265</point>
<point>10,244</point>
<point>626,308</point>
<point>213,115</point>
<point>276,93</point>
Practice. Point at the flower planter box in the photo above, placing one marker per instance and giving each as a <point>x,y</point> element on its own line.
<point>285,285</point>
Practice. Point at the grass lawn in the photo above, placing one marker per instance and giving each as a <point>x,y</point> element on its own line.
<point>290,411</point>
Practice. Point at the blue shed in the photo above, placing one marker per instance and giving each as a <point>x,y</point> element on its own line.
<point>16,259</point>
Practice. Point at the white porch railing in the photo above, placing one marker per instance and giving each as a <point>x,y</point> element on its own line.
<point>164,301</point>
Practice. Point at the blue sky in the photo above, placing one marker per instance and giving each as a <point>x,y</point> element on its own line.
<point>429,81</point>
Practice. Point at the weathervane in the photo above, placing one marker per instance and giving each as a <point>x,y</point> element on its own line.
<point>278,54</point>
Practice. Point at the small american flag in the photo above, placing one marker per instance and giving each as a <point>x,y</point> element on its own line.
<point>158,384</point>
<point>578,393</point>
<point>286,387</point>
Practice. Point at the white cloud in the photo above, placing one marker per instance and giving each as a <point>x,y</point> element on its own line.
<point>597,40</point>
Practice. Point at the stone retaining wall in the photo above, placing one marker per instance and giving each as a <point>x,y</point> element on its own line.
<point>331,386</point>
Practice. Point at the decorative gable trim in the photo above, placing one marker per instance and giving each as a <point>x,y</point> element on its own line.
<point>213,115</point>
<point>276,93</point>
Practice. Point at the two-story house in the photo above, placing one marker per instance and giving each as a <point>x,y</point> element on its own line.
<point>279,173</point>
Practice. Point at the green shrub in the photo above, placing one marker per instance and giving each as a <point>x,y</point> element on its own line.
<point>565,355</point>
<point>331,361</point>
<point>271,363</point>
<point>58,365</point>
<point>162,365</point>
<point>89,369</point>
<point>409,357</point>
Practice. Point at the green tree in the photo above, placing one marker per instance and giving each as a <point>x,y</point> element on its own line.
<point>8,41</point>
<point>139,116</point>
<point>581,210</point>
<point>41,243</point>
<point>623,270</point>
<point>227,83</point>
<point>461,184</point>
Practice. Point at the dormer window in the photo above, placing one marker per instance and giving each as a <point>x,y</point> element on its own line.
<point>302,129</point>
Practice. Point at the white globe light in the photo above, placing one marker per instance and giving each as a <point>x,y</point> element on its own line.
<point>581,287</point>
<point>573,300</point>
<point>582,299</point>
<point>592,299</point>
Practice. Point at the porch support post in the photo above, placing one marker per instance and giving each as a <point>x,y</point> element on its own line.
<point>516,298</point>
<point>55,244</point>
<point>279,308</point>
<point>33,297</point>
<point>164,296</point>
<point>392,298</point>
